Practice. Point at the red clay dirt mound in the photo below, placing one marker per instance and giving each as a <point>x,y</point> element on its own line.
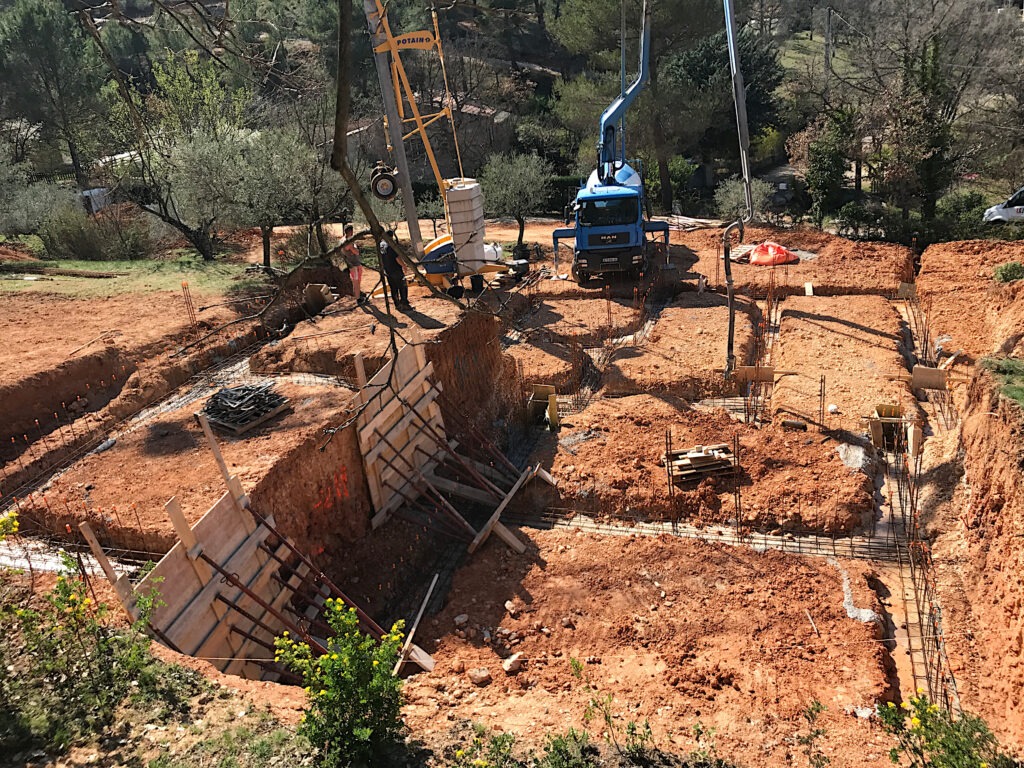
<point>961,298</point>
<point>679,631</point>
<point>122,491</point>
<point>841,266</point>
<point>607,460</point>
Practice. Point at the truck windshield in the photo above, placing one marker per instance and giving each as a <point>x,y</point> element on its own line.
<point>610,211</point>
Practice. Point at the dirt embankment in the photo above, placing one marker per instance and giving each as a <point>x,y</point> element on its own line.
<point>678,632</point>
<point>979,558</point>
<point>89,417</point>
<point>608,462</point>
<point>122,491</point>
<point>962,299</point>
<point>839,266</point>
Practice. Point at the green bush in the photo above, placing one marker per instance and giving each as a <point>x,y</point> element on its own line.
<point>929,737</point>
<point>69,233</point>
<point>1008,272</point>
<point>858,220</point>
<point>731,201</point>
<point>355,699</point>
<point>71,669</point>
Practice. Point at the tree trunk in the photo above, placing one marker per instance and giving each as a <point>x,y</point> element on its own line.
<point>522,230</point>
<point>76,163</point>
<point>266,232</point>
<point>662,155</point>
<point>558,9</point>
<point>321,238</point>
<point>538,6</point>
<point>858,182</point>
<point>928,207</point>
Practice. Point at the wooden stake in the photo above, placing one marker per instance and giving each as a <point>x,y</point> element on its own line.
<point>415,625</point>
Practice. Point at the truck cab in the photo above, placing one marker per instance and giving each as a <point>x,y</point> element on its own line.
<point>609,229</point>
<point>1011,210</point>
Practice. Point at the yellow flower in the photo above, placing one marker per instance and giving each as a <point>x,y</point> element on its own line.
<point>323,692</point>
<point>915,721</point>
<point>308,689</point>
<point>933,708</point>
<point>891,705</point>
<point>920,691</point>
<point>984,765</point>
<point>375,662</point>
<point>334,656</point>
<point>904,705</point>
<point>459,753</point>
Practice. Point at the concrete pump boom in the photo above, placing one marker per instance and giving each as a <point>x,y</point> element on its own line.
<point>609,151</point>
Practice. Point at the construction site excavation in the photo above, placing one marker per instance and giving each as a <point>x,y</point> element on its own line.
<point>565,488</point>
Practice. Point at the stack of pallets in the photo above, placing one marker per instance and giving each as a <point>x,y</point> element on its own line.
<point>693,464</point>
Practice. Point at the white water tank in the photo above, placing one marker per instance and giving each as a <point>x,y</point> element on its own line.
<point>465,207</point>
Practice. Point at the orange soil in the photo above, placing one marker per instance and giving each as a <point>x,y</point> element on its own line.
<point>789,480</point>
<point>852,341</point>
<point>678,632</point>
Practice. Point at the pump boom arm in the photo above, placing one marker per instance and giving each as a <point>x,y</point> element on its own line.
<point>608,148</point>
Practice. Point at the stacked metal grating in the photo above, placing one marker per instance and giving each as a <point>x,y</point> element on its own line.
<point>238,409</point>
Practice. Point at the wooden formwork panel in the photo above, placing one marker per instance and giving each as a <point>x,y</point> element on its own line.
<point>400,429</point>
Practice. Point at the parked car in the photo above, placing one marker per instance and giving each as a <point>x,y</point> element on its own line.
<point>1011,210</point>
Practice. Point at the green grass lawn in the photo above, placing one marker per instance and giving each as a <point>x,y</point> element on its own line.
<point>215,278</point>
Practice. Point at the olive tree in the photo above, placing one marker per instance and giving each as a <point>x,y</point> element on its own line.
<point>515,185</point>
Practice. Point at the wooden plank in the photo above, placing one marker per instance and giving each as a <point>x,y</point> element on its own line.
<point>415,626</point>
<point>481,537</point>
<point>241,557</point>
<point>120,584</point>
<point>394,402</point>
<point>924,377</point>
<point>503,533</point>
<point>463,491</point>
<point>360,365</point>
<point>396,500</point>
<point>544,475</point>
<point>212,442</point>
<point>401,424</point>
<point>184,533</point>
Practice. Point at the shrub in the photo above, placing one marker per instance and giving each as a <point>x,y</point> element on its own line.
<point>959,216</point>
<point>929,736</point>
<point>8,524</point>
<point>70,234</point>
<point>355,699</point>
<point>72,669</point>
<point>857,220</point>
<point>731,201</point>
<point>1008,272</point>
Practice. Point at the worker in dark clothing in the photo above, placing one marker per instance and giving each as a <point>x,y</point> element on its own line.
<point>392,269</point>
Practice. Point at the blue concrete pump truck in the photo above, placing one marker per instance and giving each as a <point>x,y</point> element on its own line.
<point>611,232</point>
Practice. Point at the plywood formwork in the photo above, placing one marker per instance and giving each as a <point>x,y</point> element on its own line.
<point>399,423</point>
<point>406,449</point>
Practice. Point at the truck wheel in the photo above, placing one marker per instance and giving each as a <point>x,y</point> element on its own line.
<point>581,276</point>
